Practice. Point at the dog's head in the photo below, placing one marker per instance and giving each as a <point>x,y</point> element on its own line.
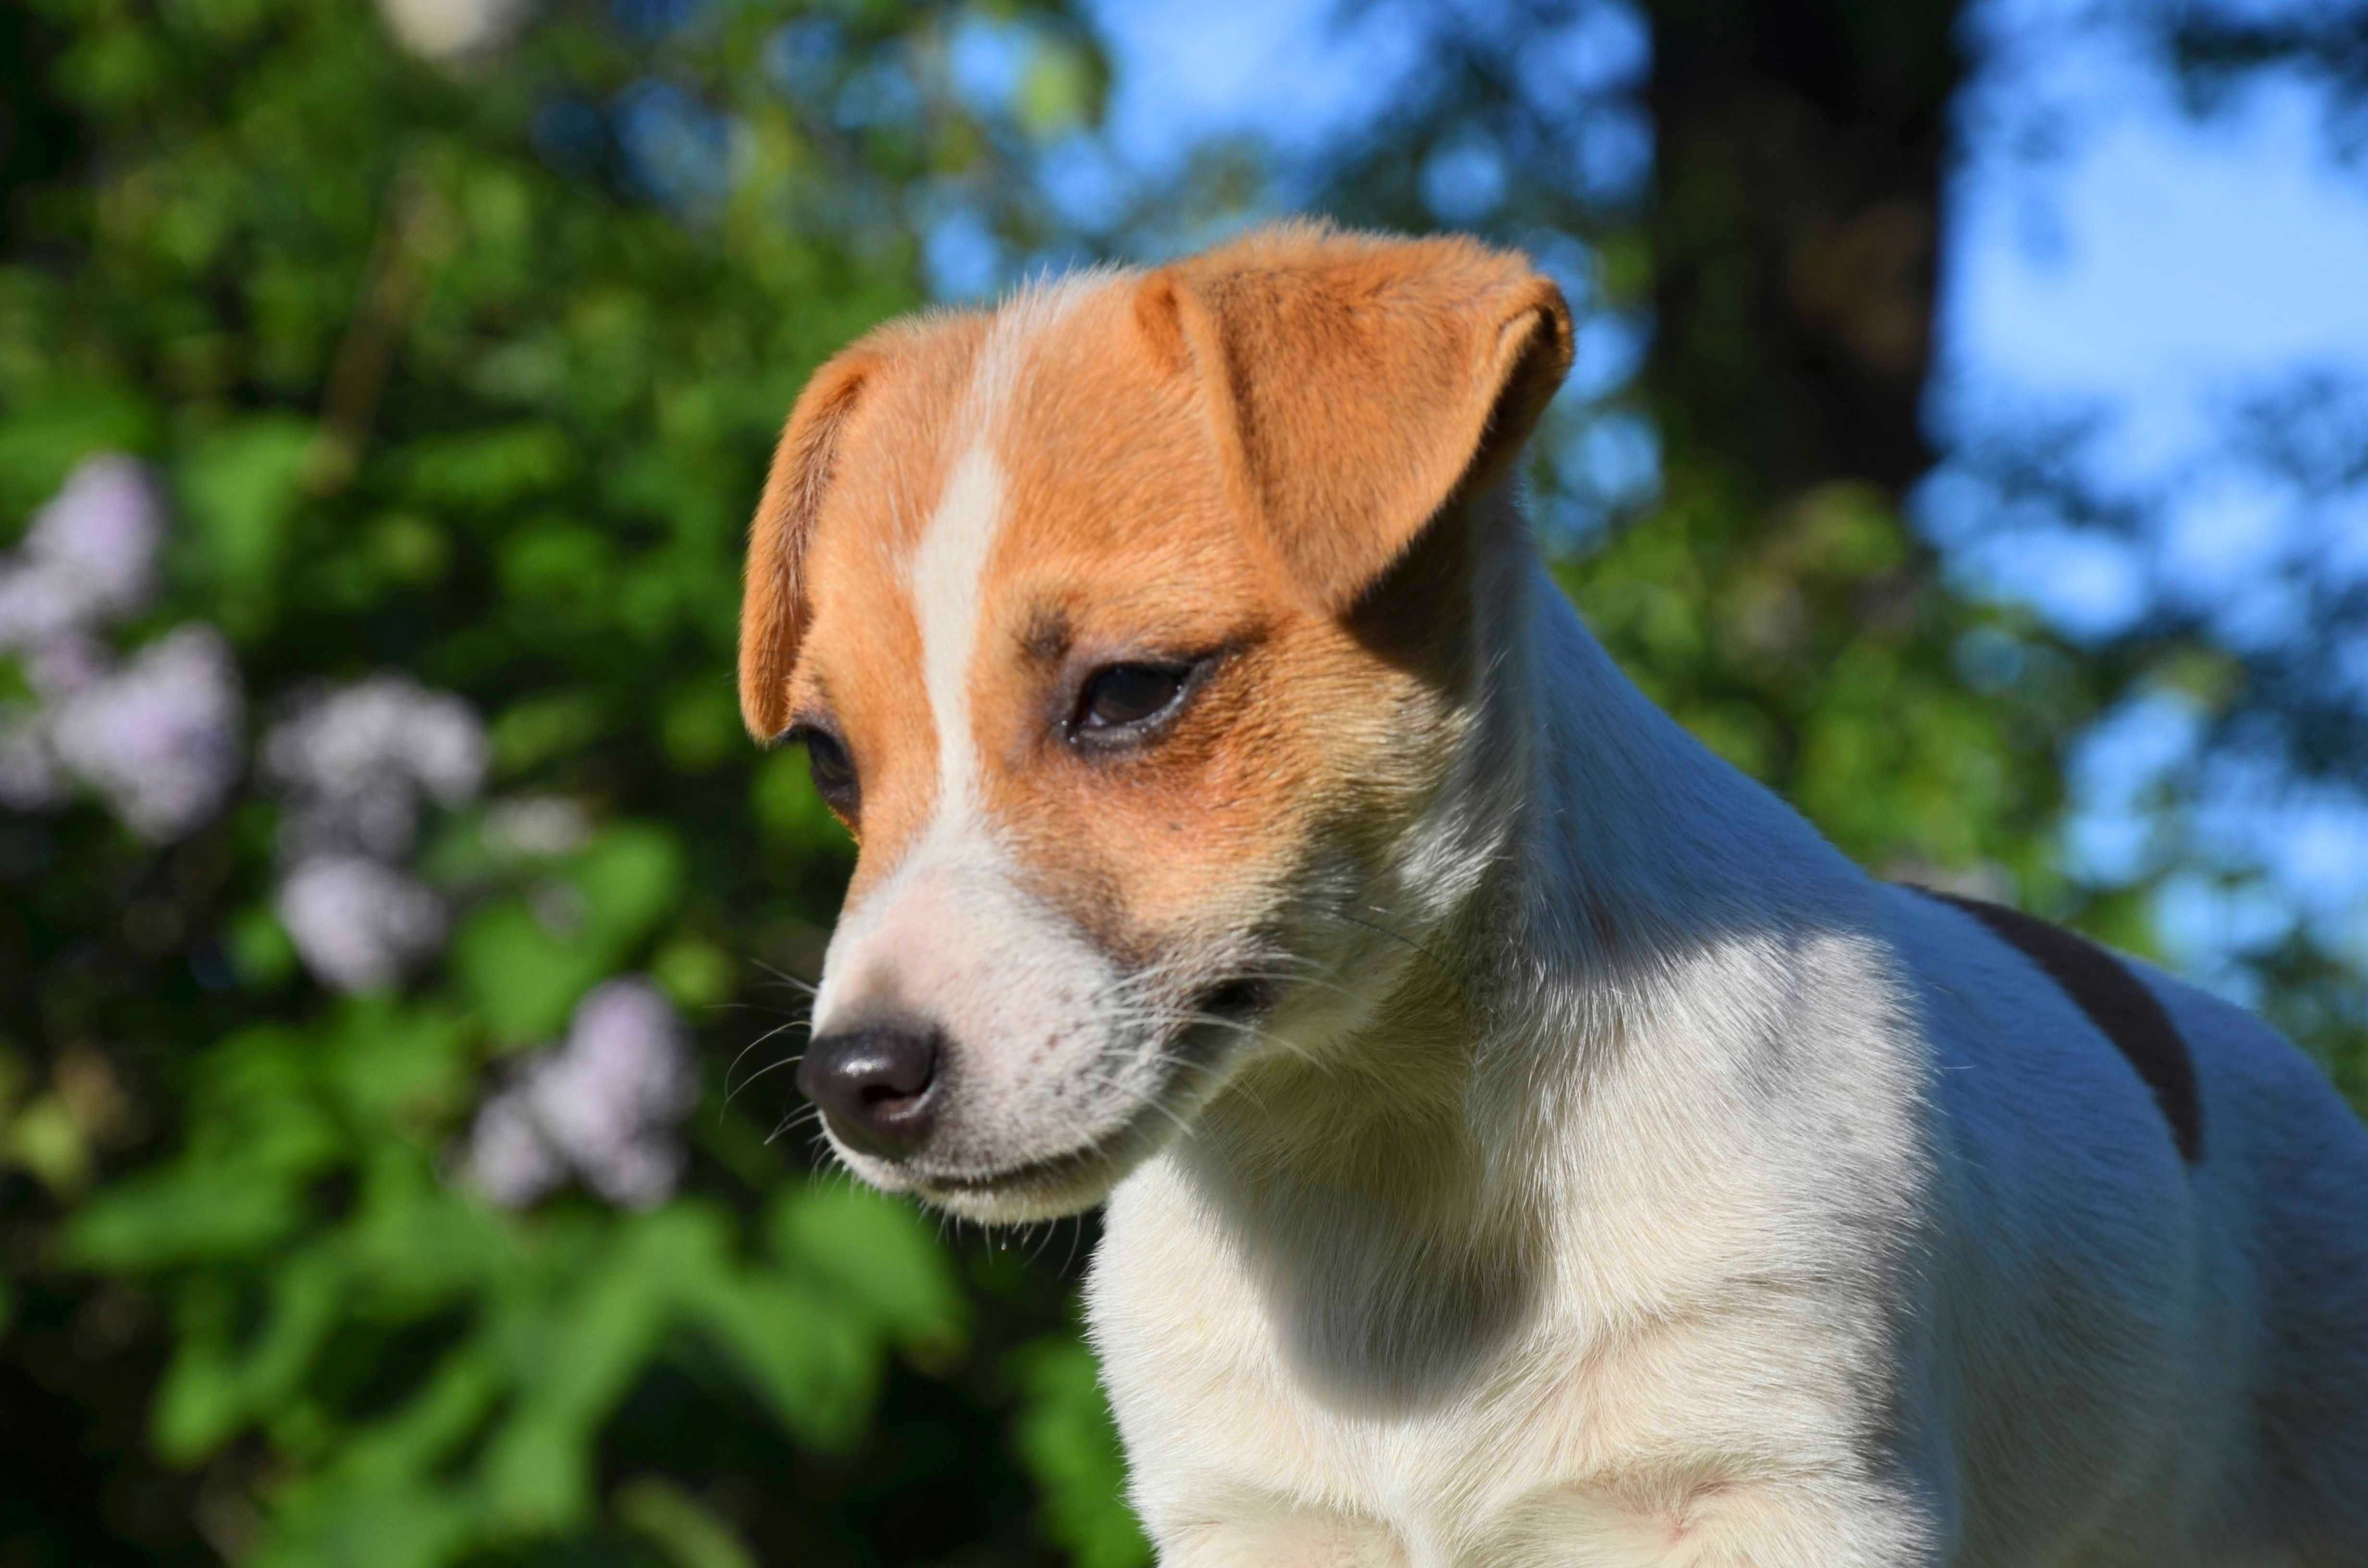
<point>1128,630</point>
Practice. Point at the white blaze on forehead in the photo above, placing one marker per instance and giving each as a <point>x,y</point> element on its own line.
<point>947,575</point>
<point>947,572</point>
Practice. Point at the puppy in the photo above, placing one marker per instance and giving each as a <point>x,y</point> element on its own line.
<point>1526,1141</point>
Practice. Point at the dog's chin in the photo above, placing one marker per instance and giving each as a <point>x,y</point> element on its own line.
<point>1050,1186</point>
<point>1025,1191</point>
<point>1022,1192</point>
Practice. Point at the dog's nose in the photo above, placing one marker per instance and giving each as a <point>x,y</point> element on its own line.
<point>875,1085</point>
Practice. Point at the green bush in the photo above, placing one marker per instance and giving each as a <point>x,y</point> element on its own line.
<point>447,369</point>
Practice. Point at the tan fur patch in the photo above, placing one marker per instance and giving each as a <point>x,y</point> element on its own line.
<point>1222,460</point>
<point>858,664</point>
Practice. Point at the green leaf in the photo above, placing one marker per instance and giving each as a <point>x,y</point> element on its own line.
<point>392,1064</point>
<point>525,962</point>
<point>407,1526</point>
<point>686,1530</point>
<point>701,726</point>
<point>630,876</point>
<point>695,974</point>
<point>541,728</point>
<point>259,947</point>
<point>573,1370</point>
<point>216,1384</point>
<point>1069,1443</point>
<point>490,468</point>
<point>43,439</point>
<point>790,813</point>
<point>880,1255</point>
<point>184,1214</point>
<point>241,485</point>
<point>816,1361</point>
<point>522,978</point>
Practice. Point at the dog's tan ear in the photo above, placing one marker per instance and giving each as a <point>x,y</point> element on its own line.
<point>1360,382</point>
<point>772,603</point>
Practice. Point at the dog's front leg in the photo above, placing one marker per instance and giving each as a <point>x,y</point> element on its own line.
<point>1292,1540</point>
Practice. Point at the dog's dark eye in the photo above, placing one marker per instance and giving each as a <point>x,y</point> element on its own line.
<point>833,769</point>
<point>1124,695</point>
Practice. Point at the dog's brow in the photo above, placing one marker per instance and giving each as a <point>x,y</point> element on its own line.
<point>1049,634</point>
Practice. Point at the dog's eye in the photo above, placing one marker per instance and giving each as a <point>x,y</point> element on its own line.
<point>833,769</point>
<point>1121,696</point>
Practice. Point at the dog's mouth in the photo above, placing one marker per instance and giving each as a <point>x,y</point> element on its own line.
<point>1236,1002</point>
<point>1076,1167</point>
<point>1222,1021</point>
<point>1066,1183</point>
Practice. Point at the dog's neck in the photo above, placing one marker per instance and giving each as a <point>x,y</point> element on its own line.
<point>1589,875</point>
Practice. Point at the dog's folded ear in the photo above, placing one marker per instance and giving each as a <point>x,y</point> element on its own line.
<point>772,602</point>
<point>1360,384</point>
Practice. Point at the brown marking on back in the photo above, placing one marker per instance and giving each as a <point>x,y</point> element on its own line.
<point>2115,1000</point>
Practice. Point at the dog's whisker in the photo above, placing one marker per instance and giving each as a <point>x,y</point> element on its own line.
<point>741,1055</point>
<point>792,1121</point>
<point>1445,969</point>
<point>730,1093</point>
<point>784,977</point>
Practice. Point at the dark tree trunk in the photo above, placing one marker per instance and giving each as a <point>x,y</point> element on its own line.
<point>1795,223</point>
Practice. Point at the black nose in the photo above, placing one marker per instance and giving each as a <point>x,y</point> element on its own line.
<point>875,1085</point>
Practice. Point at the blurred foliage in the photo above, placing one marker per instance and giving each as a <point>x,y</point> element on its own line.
<point>470,371</point>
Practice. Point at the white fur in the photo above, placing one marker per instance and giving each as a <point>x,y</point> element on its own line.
<point>1779,1218</point>
<point>946,577</point>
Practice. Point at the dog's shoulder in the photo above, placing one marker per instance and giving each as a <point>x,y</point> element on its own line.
<point>2117,1000</point>
<point>2050,1059</point>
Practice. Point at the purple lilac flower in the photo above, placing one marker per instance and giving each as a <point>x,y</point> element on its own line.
<point>603,1104</point>
<point>344,740</point>
<point>357,925</point>
<point>353,764</point>
<point>509,1159</point>
<point>65,664</point>
<point>159,738</point>
<point>89,558</point>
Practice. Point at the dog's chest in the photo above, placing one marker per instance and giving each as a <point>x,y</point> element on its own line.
<point>1228,1426</point>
